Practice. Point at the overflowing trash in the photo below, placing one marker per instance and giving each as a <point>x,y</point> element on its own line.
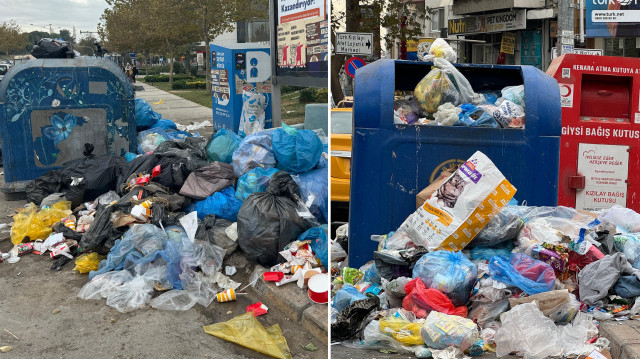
<point>444,97</point>
<point>518,280</point>
<point>159,228</point>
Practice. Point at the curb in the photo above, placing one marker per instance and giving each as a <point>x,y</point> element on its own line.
<point>625,339</point>
<point>294,303</point>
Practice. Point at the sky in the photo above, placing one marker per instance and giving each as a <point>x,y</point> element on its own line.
<point>62,14</point>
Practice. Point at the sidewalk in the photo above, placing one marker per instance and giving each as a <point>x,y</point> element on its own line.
<point>175,108</point>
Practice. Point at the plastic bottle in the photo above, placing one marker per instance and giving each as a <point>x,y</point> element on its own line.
<point>423,353</point>
<point>477,349</point>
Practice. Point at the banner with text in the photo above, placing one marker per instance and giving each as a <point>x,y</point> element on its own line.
<point>498,22</point>
<point>613,18</point>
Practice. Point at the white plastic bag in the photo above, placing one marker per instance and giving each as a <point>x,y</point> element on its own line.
<point>132,295</point>
<point>174,300</point>
<point>252,117</point>
<point>526,330</point>
<point>625,218</point>
<point>447,114</point>
<point>461,207</point>
<point>102,284</point>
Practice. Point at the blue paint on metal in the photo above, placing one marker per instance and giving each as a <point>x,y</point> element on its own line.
<point>392,163</point>
<point>50,107</point>
<point>232,68</point>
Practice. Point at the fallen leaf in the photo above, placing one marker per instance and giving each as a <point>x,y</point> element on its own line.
<point>6,348</point>
<point>309,347</point>
<point>56,311</point>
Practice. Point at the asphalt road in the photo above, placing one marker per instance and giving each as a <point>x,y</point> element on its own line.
<point>342,352</point>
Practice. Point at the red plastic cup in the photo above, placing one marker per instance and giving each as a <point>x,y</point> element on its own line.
<point>273,276</point>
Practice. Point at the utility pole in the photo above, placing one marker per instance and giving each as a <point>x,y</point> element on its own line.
<point>566,23</point>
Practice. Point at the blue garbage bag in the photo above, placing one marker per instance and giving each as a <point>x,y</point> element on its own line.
<point>145,115</point>
<point>297,151</point>
<point>256,180</point>
<point>223,204</point>
<point>346,296</point>
<point>319,243</point>
<point>254,151</point>
<point>314,192</point>
<point>150,139</point>
<point>486,252</point>
<point>450,272</point>
<point>475,116</point>
<point>522,271</point>
<point>129,156</point>
<point>165,124</point>
<point>222,146</point>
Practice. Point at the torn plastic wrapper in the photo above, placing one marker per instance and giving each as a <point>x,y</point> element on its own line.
<point>246,331</point>
<point>350,321</point>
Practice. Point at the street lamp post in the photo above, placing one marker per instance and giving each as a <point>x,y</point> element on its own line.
<point>44,27</point>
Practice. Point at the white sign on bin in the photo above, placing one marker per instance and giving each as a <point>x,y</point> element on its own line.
<point>606,170</point>
<point>354,43</point>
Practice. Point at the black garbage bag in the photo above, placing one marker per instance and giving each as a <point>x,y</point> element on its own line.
<point>94,176</point>
<point>268,221</point>
<point>504,226</point>
<point>102,234</point>
<point>52,49</point>
<point>391,267</point>
<point>139,165</point>
<point>189,147</point>
<point>53,181</point>
<point>212,229</point>
<point>174,169</point>
<point>351,320</point>
<point>67,232</point>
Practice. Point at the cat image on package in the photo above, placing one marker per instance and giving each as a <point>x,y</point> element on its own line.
<point>449,192</point>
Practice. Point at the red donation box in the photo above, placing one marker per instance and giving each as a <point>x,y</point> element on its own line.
<point>600,99</point>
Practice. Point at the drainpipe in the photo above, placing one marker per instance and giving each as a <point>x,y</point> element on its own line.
<point>581,22</point>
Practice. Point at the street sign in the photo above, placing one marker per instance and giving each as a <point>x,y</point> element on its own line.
<point>352,65</point>
<point>354,43</point>
<point>597,52</point>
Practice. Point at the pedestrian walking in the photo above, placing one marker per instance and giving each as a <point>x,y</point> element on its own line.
<point>134,73</point>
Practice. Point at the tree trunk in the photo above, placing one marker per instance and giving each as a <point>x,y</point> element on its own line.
<point>207,63</point>
<point>170,48</point>
<point>352,22</point>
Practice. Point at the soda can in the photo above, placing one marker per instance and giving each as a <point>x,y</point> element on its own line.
<point>226,296</point>
<point>70,223</point>
<point>146,204</point>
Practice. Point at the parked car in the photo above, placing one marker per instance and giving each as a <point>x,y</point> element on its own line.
<point>341,128</point>
<point>4,68</point>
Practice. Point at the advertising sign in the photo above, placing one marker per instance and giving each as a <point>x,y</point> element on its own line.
<point>498,22</point>
<point>508,43</point>
<point>606,169</point>
<point>612,18</point>
<point>301,42</point>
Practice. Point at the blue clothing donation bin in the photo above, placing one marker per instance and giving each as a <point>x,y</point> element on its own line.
<point>49,109</point>
<point>392,163</point>
<point>236,68</point>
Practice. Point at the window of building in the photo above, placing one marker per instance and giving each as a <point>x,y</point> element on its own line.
<point>253,31</point>
<point>437,19</point>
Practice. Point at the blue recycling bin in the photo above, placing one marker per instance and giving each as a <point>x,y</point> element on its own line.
<point>392,163</point>
<point>49,109</point>
<point>236,68</point>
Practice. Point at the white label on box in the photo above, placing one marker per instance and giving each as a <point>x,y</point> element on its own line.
<point>606,170</point>
<point>566,95</point>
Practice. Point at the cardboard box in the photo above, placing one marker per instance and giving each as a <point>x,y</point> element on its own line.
<point>424,195</point>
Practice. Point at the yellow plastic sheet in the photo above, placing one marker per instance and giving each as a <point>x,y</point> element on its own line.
<point>401,330</point>
<point>87,262</point>
<point>247,331</point>
<point>37,225</point>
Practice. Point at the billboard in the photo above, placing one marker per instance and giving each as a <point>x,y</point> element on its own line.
<point>613,18</point>
<point>300,46</point>
<point>498,22</point>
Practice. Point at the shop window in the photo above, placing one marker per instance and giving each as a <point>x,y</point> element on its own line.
<point>437,19</point>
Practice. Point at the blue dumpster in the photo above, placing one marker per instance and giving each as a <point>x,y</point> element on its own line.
<point>49,109</point>
<point>236,68</point>
<point>392,163</point>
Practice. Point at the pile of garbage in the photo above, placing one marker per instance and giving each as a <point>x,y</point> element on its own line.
<point>444,97</point>
<point>155,231</point>
<point>471,271</point>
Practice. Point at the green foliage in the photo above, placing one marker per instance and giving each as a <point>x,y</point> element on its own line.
<point>322,95</point>
<point>288,89</point>
<point>308,95</point>
<point>194,71</point>
<point>165,78</point>
<point>11,39</point>
<point>183,84</point>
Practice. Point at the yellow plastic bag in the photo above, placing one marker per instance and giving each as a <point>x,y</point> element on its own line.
<point>37,225</point>
<point>245,330</point>
<point>401,330</point>
<point>87,262</point>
